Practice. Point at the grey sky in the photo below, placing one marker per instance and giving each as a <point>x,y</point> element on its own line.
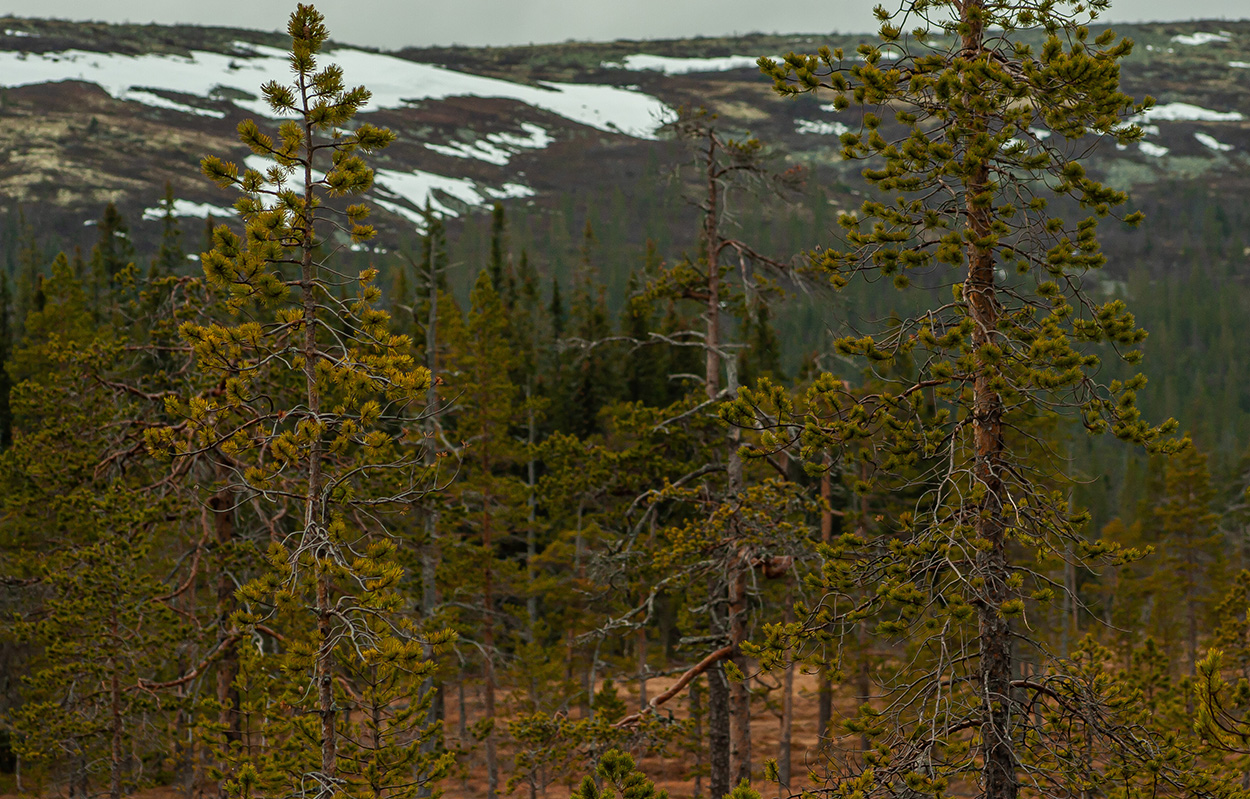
<point>395,23</point>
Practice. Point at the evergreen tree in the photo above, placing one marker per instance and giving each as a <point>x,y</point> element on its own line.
<point>316,396</point>
<point>1187,580</point>
<point>170,258</point>
<point>1004,352</point>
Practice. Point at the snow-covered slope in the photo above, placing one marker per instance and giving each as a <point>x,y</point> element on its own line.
<point>395,83</point>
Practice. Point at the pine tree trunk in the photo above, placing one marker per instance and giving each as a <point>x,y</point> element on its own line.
<point>221,505</point>
<point>313,522</point>
<point>696,713</point>
<point>718,731</point>
<point>531,533</point>
<point>431,553</point>
<point>640,644</point>
<point>739,691</point>
<point>488,643</point>
<point>863,672</point>
<point>999,778</point>
<point>824,696</point>
<point>787,702</point>
<point>115,713</point>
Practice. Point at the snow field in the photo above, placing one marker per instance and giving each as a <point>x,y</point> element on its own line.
<point>395,83</point>
<point>644,62</point>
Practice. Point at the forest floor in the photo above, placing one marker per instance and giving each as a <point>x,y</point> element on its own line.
<point>672,773</point>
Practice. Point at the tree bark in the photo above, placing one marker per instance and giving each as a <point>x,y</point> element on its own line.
<point>488,643</point>
<point>787,703</point>
<point>718,731</point>
<point>999,769</point>
<point>115,713</point>
<point>640,639</point>
<point>696,713</point>
<point>824,697</point>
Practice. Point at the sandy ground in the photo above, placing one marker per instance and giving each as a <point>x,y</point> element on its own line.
<point>673,773</point>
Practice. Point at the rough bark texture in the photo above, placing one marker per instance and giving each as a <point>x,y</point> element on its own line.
<point>999,777</point>
<point>718,731</point>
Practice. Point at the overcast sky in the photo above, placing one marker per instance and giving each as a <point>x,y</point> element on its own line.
<point>396,23</point>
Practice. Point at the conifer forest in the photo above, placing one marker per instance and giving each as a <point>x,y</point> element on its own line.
<point>725,492</point>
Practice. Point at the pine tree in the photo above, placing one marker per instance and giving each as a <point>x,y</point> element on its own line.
<point>952,168</point>
<point>314,414</point>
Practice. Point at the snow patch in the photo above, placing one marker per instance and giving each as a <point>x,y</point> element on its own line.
<point>1185,112</point>
<point>155,100</point>
<point>819,127</point>
<point>497,148</point>
<point>1239,64</point>
<point>19,34</point>
<point>395,83</point>
<point>1202,38</point>
<point>391,188</point>
<point>510,191</point>
<point>1211,143</point>
<point>188,208</point>
<point>643,62</point>
<point>1153,150</point>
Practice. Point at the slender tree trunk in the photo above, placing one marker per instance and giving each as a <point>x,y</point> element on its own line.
<point>462,723</point>
<point>488,643</point>
<point>222,507</point>
<point>431,552</point>
<point>998,761</point>
<point>739,691</point>
<point>531,501</point>
<point>863,671</point>
<point>640,644</point>
<point>718,731</point>
<point>696,713</point>
<point>787,702</point>
<point>313,526</point>
<point>116,757</point>
<point>824,697</point>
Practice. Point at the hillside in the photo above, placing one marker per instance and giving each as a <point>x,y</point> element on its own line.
<point>570,134</point>
<point>94,113</point>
